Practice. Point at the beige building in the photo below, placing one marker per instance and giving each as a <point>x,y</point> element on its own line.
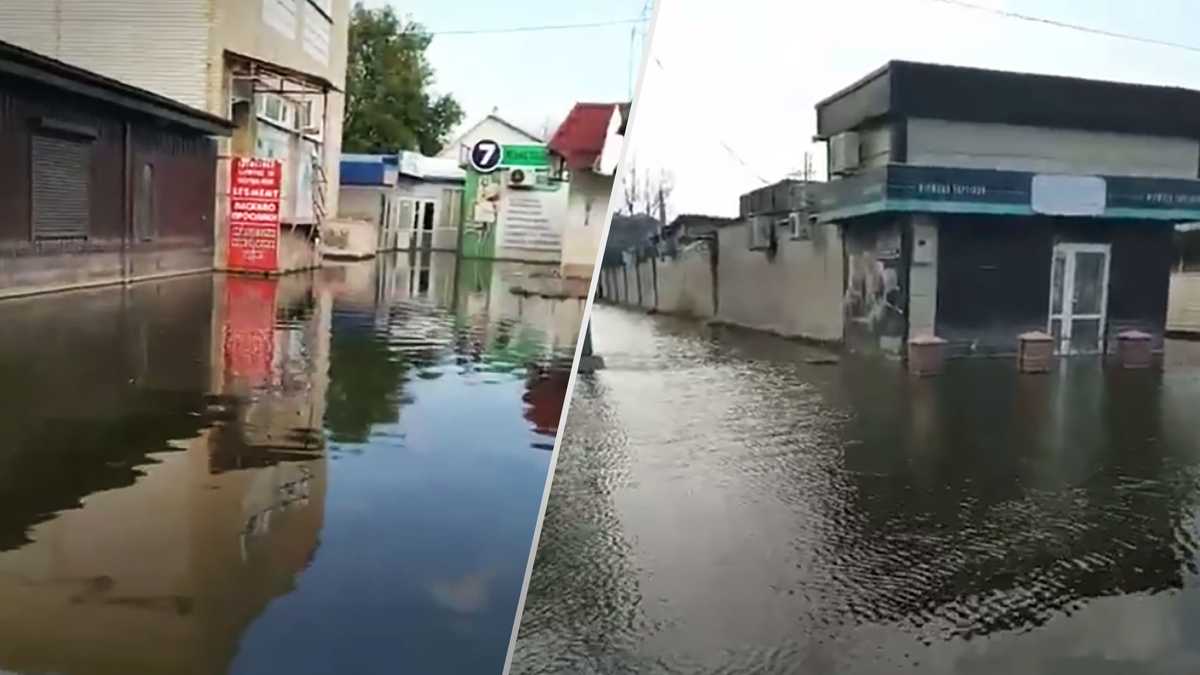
<point>277,68</point>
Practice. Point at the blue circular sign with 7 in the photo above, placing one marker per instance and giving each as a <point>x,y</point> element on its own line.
<point>486,156</point>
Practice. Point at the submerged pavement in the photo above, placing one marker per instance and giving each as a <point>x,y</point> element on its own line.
<point>338,473</point>
<point>721,505</point>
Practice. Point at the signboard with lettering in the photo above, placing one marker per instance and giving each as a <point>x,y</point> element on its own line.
<point>254,194</point>
<point>902,188</point>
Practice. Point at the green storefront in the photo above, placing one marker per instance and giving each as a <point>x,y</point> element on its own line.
<point>490,224</point>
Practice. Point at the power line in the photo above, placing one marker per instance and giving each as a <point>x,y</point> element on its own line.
<point>533,29</point>
<point>724,145</point>
<point>1069,26</point>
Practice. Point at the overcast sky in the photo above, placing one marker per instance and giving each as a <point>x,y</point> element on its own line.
<point>749,73</point>
<point>529,76</point>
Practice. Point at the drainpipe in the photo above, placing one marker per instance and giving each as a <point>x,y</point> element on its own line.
<point>127,170</point>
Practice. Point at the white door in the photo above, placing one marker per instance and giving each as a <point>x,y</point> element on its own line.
<point>1079,297</point>
<point>424,223</point>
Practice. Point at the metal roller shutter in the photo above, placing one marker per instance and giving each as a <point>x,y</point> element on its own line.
<point>61,187</point>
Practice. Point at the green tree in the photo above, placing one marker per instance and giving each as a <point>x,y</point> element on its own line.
<point>389,105</point>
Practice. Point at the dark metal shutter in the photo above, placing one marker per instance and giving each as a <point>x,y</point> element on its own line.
<point>62,169</point>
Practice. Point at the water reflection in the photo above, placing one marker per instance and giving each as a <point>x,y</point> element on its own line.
<point>227,474</point>
<point>746,511</point>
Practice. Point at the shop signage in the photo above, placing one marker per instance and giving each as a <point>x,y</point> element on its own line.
<point>914,188</point>
<point>254,192</point>
<point>486,155</point>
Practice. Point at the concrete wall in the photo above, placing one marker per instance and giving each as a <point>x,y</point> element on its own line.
<point>797,292</point>
<point>1183,307</point>
<point>296,251</point>
<point>1020,148</point>
<point>685,283</point>
<point>361,202</point>
<point>587,207</point>
<point>347,238</point>
<point>646,272</point>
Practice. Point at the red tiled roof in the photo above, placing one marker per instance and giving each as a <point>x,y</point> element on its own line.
<point>580,138</point>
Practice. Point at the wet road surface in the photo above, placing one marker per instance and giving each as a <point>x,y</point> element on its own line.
<point>721,505</point>
<point>337,473</point>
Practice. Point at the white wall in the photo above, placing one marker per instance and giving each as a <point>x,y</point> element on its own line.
<point>1021,148</point>
<point>798,293</point>
<point>587,206</point>
<point>159,45</point>
<point>361,202</point>
<point>489,129</point>
<point>685,284</point>
<point>1183,307</point>
<point>645,272</point>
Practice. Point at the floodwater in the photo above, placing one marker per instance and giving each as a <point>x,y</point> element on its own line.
<point>724,505</point>
<point>329,473</point>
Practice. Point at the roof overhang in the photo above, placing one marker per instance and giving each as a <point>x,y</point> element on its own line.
<point>899,188</point>
<point>31,66</point>
<point>904,89</point>
<point>293,80</point>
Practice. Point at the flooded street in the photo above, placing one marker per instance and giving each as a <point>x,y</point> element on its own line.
<point>336,473</point>
<point>723,504</point>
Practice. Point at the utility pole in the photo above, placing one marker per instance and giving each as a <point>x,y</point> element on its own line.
<point>662,206</point>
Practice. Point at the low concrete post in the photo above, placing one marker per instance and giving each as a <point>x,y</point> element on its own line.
<point>589,362</point>
<point>1135,349</point>
<point>926,355</point>
<point>1035,351</point>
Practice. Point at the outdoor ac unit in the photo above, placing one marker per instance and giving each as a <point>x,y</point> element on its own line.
<point>521,178</point>
<point>843,153</point>
<point>242,91</point>
<point>800,226</point>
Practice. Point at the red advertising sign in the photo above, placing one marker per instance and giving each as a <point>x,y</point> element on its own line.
<point>249,329</point>
<point>254,189</point>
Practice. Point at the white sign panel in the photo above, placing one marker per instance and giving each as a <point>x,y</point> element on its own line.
<point>1059,195</point>
<point>533,219</point>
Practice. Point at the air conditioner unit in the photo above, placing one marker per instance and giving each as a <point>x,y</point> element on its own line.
<point>520,178</point>
<point>242,91</point>
<point>843,153</point>
<point>800,226</point>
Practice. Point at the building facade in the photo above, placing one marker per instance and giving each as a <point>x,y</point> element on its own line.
<point>102,182</point>
<point>977,205</point>
<point>276,68</point>
<point>586,149</point>
<point>414,202</point>
<point>492,128</point>
<point>974,206</point>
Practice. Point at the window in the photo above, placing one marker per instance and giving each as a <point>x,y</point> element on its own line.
<point>145,217</point>
<point>317,32</point>
<point>283,16</point>
<point>61,175</point>
<point>278,110</point>
<point>310,121</point>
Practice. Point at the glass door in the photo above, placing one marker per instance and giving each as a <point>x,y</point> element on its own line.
<point>1079,297</point>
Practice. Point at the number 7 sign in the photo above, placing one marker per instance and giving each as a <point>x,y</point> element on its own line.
<point>486,156</point>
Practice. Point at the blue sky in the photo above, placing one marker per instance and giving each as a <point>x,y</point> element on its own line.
<point>753,82</point>
<point>530,77</point>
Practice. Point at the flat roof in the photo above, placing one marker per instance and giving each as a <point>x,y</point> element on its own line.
<point>24,64</point>
<point>906,89</point>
